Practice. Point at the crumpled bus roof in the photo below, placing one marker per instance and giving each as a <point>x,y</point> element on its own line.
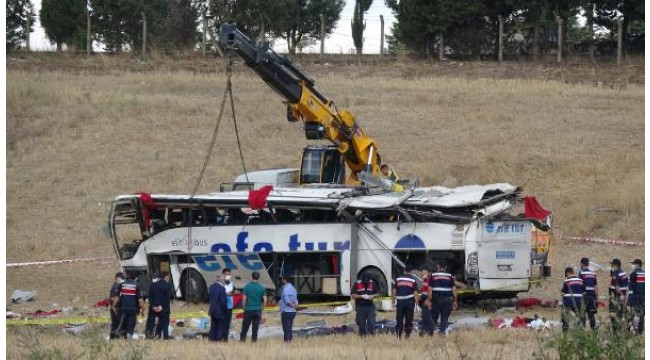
<point>434,196</point>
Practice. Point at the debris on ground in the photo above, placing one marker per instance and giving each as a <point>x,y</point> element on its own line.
<point>103,303</point>
<point>23,295</point>
<point>534,323</point>
<point>339,310</point>
<point>12,315</point>
<point>470,322</point>
<point>200,323</point>
<point>74,329</point>
<point>41,313</point>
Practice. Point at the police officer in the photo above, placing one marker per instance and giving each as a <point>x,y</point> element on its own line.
<point>405,297</point>
<point>636,299</point>
<point>131,303</point>
<point>618,288</point>
<point>572,293</point>
<point>363,292</point>
<point>426,324</point>
<point>442,296</point>
<point>590,282</point>
<point>115,310</point>
<point>159,303</point>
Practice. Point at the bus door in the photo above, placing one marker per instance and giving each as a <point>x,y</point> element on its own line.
<point>504,256</point>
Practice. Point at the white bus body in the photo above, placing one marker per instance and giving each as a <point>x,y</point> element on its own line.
<point>327,237</point>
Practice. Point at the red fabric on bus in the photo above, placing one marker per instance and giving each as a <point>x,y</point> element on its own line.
<point>257,198</point>
<point>147,202</point>
<point>533,209</point>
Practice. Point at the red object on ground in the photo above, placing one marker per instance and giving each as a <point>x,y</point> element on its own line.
<point>519,322</point>
<point>528,302</point>
<point>41,313</point>
<point>602,303</point>
<point>103,303</point>
<point>239,316</point>
<point>496,323</point>
<point>257,198</point>
<point>533,209</point>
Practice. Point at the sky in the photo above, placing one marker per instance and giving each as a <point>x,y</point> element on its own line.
<point>340,41</point>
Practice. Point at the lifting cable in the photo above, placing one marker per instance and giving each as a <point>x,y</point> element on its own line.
<point>227,93</point>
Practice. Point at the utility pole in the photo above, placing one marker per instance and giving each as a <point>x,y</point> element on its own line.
<point>89,41</point>
<point>144,34</point>
<point>204,19</point>
<point>619,47</point>
<point>381,41</point>
<point>322,37</point>
<point>560,21</point>
<point>500,58</point>
<point>29,30</point>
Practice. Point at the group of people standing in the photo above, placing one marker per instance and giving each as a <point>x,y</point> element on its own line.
<point>253,300</point>
<point>127,302</point>
<point>626,296</point>
<point>436,297</point>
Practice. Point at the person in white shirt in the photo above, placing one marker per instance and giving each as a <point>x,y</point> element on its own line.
<point>230,290</point>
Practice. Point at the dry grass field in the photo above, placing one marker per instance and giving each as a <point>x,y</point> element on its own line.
<point>78,138</point>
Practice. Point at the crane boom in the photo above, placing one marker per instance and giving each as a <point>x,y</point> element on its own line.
<point>322,119</point>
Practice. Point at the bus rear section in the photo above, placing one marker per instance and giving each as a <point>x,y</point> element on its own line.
<point>503,256</point>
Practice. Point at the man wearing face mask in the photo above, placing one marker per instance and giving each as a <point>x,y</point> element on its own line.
<point>115,310</point>
<point>230,289</point>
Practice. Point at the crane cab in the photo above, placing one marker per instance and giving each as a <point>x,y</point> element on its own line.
<point>322,165</point>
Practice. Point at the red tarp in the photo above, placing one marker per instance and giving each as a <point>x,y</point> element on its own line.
<point>257,198</point>
<point>533,209</point>
<point>148,203</point>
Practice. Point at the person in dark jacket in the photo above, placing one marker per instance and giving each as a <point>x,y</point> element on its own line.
<point>618,293</point>
<point>218,310</point>
<point>442,296</point>
<point>130,303</point>
<point>151,315</point>
<point>572,294</point>
<point>636,300</point>
<point>590,282</point>
<point>363,292</point>
<point>405,296</point>
<point>115,310</point>
<point>426,325</point>
<point>159,304</point>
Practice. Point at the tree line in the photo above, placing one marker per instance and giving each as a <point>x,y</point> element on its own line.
<point>461,28</point>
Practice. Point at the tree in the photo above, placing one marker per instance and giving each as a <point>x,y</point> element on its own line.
<point>300,20</point>
<point>18,13</point>
<point>182,25</point>
<point>253,17</point>
<point>633,13</point>
<point>62,19</point>
<point>358,25</point>
<point>119,22</point>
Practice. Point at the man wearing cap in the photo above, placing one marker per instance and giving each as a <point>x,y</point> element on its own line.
<point>618,290</point>
<point>636,300</point>
<point>115,310</point>
<point>590,298</point>
<point>572,293</point>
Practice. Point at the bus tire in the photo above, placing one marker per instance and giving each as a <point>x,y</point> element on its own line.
<point>378,277</point>
<point>193,287</point>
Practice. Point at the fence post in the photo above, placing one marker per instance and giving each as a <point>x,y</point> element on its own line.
<point>441,47</point>
<point>381,41</point>
<point>559,39</point>
<point>322,36</point>
<point>144,34</point>
<point>29,29</point>
<point>89,41</point>
<point>204,19</point>
<point>500,39</point>
<point>619,47</point>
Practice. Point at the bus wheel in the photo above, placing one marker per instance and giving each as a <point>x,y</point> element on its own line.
<point>378,277</point>
<point>193,287</point>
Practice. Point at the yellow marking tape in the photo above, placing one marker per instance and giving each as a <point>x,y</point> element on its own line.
<point>175,315</point>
